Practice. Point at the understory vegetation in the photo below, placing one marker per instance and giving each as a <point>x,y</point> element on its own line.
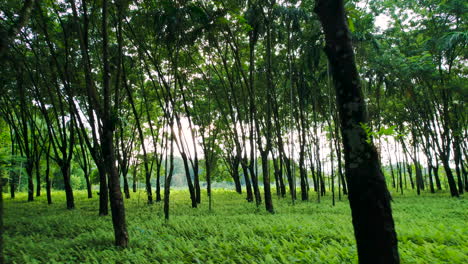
<point>431,229</point>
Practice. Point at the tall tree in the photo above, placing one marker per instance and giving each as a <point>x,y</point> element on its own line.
<point>368,195</point>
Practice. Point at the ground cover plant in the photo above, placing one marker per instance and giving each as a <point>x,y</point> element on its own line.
<point>431,229</point>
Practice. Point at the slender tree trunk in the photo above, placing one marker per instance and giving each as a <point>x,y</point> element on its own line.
<point>431,181</point>
<point>29,171</point>
<point>47,177</point>
<point>277,173</point>
<point>134,176</point>
<point>38,177</point>
<point>88,185</point>
<point>103,191</point>
<point>208,181</point>
<point>125,182</point>
<point>435,169</point>
<point>188,177</point>
<point>196,179</point>
<point>235,174</point>
<point>168,178</point>
<point>458,164</point>
<point>258,198</point>
<point>248,184</point>
<point>65,169</point>
<point>158,183</point>
<point>266,183</point>
<point>368,195</point>
<point>12,180</point>
<point>451,181</point>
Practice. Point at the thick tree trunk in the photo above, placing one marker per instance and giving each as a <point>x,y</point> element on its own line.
<point>115,194</point>
<point>368,195</point>
<point>107,144</point>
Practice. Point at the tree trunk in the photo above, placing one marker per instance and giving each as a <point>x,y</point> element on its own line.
<point>266,183</point>
<point>208,181</point>
<point>450,178</point>
<point>88,185</point>
<point>115,194</point>
<point>65,169</point>
<point>248,185</point>
<point>431,181</point>
<point>103,191</point>
<point>193,197</point>
<point>368,195</point>
<point>134,176</point>
<point>158,183</point>
<point>258,198</point>
<point>125,182</point>
<point>38,177</point>
<point>47,177</point>
<point>168,178</point>
<point>196,179</point>
<point>435,169</point>
<point>29,171</point>
<point>235,174</point>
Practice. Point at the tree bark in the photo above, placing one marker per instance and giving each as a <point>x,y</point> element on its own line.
<point>103,191</point>
<point>65,169</point>
<point>368,195</point>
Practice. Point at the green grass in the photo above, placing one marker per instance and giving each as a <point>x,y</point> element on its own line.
<point>431,229</point>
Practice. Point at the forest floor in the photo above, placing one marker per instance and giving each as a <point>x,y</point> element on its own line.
<point>431,229</point>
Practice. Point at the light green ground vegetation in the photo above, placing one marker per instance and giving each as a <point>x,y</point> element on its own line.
<point>431,229</point>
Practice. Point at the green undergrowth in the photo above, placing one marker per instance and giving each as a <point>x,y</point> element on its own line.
<point>431,229</point>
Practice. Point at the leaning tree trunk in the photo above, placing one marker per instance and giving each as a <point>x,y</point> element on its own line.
<point>65,169</point>
<point>368,195</point>
<point>107,144</point>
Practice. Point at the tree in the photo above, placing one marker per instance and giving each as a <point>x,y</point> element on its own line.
<point>368,195</point>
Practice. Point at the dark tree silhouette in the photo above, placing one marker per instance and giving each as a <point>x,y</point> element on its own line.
<point>368,195</point>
